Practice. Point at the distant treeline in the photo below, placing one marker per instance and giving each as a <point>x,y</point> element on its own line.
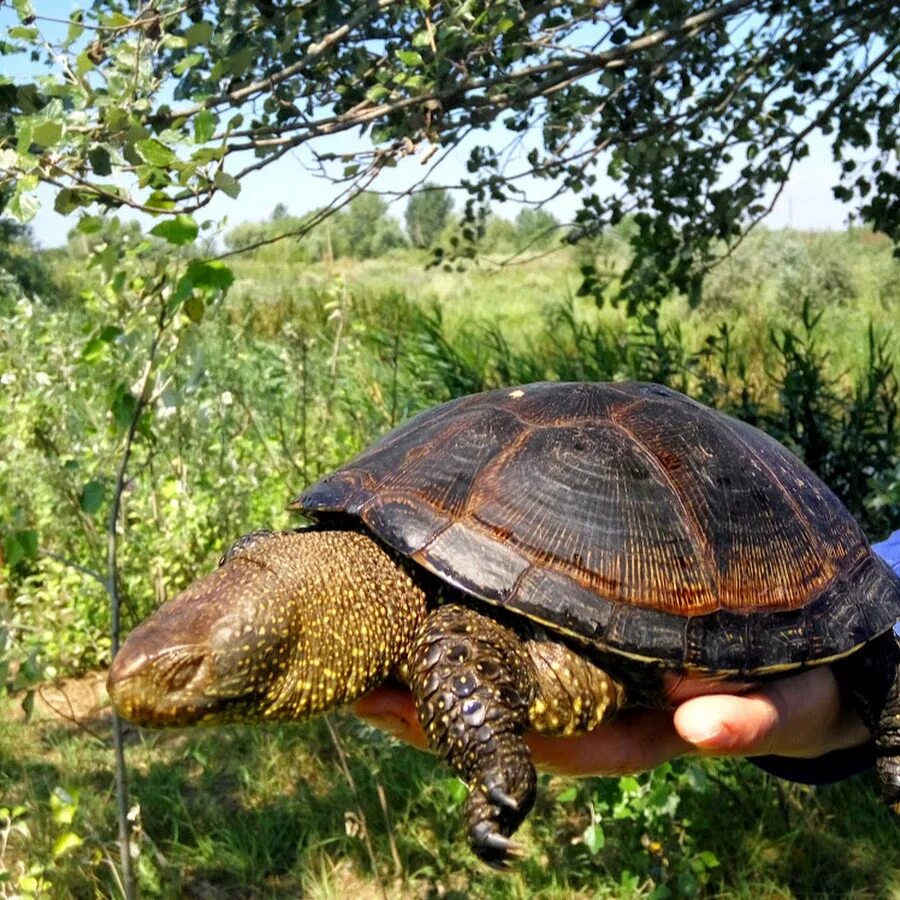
<point>366,229</point>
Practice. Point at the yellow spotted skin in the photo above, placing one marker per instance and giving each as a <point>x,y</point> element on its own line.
<point>572,694</point>
<point>292,624</point>
<point>289,625</point>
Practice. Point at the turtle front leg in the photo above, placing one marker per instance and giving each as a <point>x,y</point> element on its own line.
<point>473,685</point>
<point>477,687</point>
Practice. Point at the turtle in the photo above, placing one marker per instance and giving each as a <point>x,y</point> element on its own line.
<point>533,557</point>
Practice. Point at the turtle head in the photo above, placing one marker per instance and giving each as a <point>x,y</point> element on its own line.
<point>222,650</point>
<point>291,623</point>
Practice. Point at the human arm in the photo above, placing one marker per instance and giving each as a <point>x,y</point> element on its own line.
<point>801,716</point>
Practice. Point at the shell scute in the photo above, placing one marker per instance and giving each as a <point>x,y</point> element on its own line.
<point>474,560</point>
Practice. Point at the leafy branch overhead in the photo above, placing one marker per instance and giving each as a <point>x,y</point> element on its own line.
<point>689,115</point>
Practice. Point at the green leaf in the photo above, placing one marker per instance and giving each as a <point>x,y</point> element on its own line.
<point>92,495</point>
<point>22,207</point>
<point>180,230</point>
<point>12,551</point>
<point>28,538</point>
<point>212,274</point>
<point>116,20</point>
<point>90,225</point>
<point>110,333</point>
<point>20,545</point>
<point>183,291</point>
<point>76,30</point>
<point>155,152</point>
<point>30,885</point>
<point>188,62</point>
<point>100,160</point>
<point>208,154</point>
<point>594,838</point>
<point>204,126</point>
<point>174,42</point>
<point>25,10</point>
<point>240,61</point>
<point>227,183</point>
<point>199,33</point>
<point>47,133</point>
<point>409,57</point>
<point>457,791</point>
<point>123,406</point>
<point>628,784</point>
<point>66,842</point>
<point>27,706</point>
<point>568,795</point>
<point>83,63</point>
<point>22,33</point>
<point>69,199</point>
<point>193,308</point>
<point>94,349</point>
<point>377,93</point>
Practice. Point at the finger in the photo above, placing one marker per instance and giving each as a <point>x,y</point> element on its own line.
<point>392,709</point>
<point>801,716</point>
<point>638,739</point>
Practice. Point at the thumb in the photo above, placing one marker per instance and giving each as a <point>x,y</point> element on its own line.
<point>802,716</point>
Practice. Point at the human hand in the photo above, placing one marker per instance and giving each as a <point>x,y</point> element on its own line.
<point>802,715</point>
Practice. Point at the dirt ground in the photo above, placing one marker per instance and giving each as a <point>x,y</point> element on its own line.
<point>79,701</point>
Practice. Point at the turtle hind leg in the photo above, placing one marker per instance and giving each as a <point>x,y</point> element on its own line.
<point>887,729</point>
<point>573,695</point>
<point>473,685</point>
<point>871,676</point>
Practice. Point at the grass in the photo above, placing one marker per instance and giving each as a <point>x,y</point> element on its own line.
<point>243,812</point>
<point>852,277</point>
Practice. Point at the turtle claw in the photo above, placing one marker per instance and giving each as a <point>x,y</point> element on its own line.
<point>494,848</point>
<point>501,798</point>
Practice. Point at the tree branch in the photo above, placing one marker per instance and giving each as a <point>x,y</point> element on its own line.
<point>114,602</point>
<point>238,96</point>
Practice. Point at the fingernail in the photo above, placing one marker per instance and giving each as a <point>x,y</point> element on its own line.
<point>698,727</point>
<point>703,737</point>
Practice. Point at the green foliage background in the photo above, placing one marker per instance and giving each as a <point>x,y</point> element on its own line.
<point>271,373</point>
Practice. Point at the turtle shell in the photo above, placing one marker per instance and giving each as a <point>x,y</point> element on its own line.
<point>629,517</point>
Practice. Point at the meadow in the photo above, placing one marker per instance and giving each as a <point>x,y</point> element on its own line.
<point>270,382</point>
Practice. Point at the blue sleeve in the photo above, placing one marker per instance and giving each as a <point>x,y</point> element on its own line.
<point>838,764</point>
<point>889,551</point>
